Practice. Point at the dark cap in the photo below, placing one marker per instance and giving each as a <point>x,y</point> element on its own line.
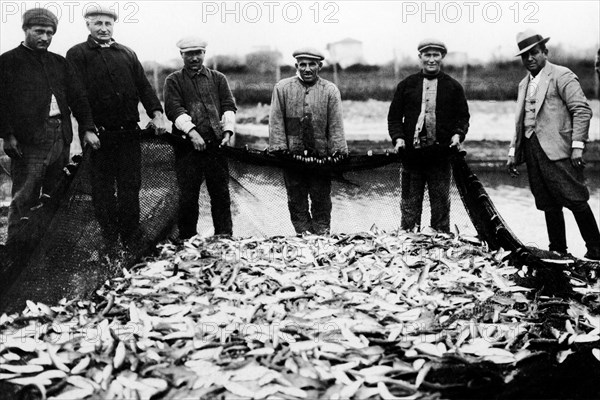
<point>39,16</point>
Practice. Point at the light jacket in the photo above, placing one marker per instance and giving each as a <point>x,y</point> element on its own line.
<point>307,117</point>
<point>562,113</point>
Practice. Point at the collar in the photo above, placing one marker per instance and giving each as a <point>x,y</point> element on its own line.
<point>427,76</point>
<point>33,50</point>
<point>95,45</point>
<point>203,70</point>
<point>305,83</point>
<point>542,71</point>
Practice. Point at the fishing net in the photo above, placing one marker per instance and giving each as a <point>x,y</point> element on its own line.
<point>62,249</point>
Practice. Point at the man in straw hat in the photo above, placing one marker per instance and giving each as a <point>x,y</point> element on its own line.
<point>552,123</point>
<point>38,90</point>
<point>306,118</point>
<point>428,116</point>
<point>200,104</point>
<point>115,82</point>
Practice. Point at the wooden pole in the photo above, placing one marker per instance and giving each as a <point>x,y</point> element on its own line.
<point>336,79</point>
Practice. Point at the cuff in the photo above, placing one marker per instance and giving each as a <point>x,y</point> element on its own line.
<point>228,121</point>
<point>184,123</point>
<point>576,144</point>
<point>511,152</point>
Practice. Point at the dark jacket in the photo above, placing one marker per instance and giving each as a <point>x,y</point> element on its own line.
<point>27,81</point>
<point>115,83</point>
<point>452,111</point>
<point>182,96</point>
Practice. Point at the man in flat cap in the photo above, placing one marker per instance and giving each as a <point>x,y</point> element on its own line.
<point>551,129</point>
<point>200,104</point>
<point>38,91</point>
<point>428,116</point>
<point>306,119</point>
<point>115,82</point>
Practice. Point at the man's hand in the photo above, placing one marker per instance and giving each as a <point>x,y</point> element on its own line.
<point>91,139</point>
<point>577,158</point>
<point>226,137</point>
<point>455,141</point>
<point>11,147</point>
<point>197,141</point>
<point>400,145</point>
<point>158,123</point>
<point>512,167</point>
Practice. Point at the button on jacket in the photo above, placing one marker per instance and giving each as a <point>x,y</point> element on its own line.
<point>451,109</point>
<point>307,118</point>
<point>115,82</point>
<point>27,82</point>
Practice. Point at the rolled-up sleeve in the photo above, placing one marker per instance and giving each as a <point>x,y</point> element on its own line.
<point>174,104</point>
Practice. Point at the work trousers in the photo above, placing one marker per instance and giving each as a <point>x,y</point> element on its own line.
<point>116,183</point>
<point>193,167</point>
<point>437,176</point>
<point>300,186</point>
<point>36,172</point>
<point>554,184</point>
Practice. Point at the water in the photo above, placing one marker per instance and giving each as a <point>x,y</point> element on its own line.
<point>516,204</point>
<point>260,206</point>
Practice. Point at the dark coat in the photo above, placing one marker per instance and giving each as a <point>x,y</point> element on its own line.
<point>452,111</point>
<point>27,81</point>
<point>182,96</point>
<point>115,81</point>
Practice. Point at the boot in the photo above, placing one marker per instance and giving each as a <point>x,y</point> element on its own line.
<point>555,224</point>
<point>589,232</point>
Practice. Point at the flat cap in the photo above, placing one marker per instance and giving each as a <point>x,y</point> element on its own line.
<point>39,16</point>
<point>191,43</point>
<point>431,43</point>
<point>95,9</point>
<point>308,52</point>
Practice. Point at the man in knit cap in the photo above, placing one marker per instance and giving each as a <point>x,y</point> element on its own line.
<point>38,91</point>
<point>428,116</point>
<point>115,82</point>
<point>306,118</point>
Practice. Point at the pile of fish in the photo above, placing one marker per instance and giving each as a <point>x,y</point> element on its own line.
<point>369,315</point>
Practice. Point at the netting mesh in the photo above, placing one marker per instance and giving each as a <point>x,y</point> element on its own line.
<point>63,252</point>
<point>362,198</point>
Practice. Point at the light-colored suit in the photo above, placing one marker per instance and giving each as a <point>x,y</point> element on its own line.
<point>562,113</point>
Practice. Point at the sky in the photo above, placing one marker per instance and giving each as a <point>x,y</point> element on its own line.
<point>483,30</point>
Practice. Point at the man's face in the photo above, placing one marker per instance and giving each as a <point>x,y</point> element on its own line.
<point>39,37</point>
<point>101,28</point>
<point>534,60</point>
<point>193,59</point>
<point>431,61</point>
<point>308,69</point>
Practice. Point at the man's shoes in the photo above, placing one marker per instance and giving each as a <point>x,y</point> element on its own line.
<point>593,254</point>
